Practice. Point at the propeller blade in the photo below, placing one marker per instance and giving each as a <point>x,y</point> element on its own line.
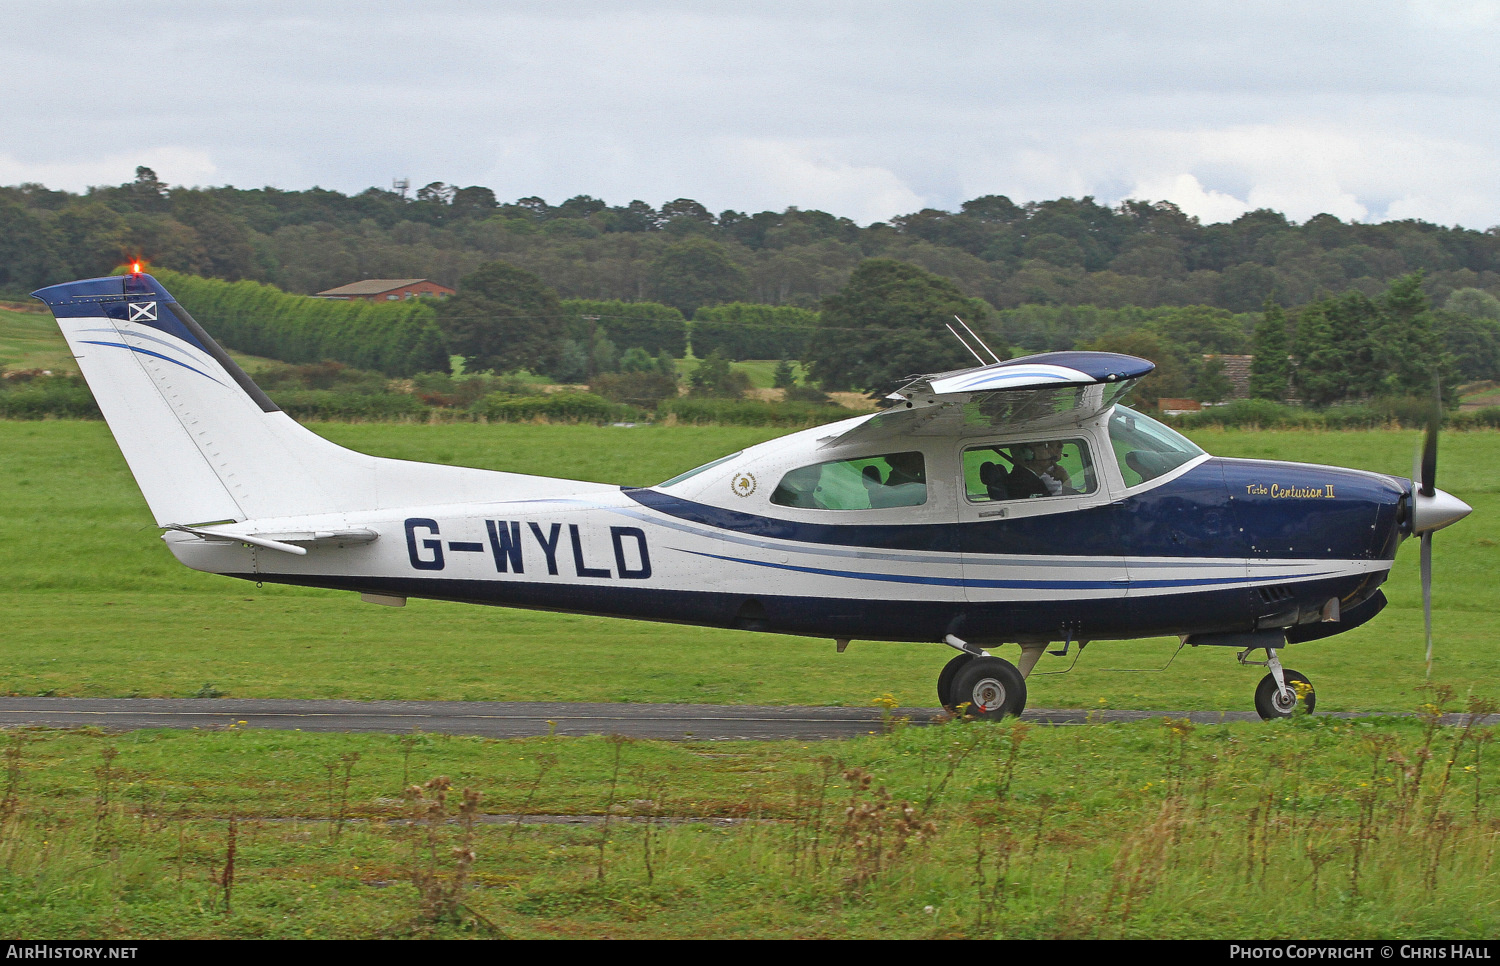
<point>1427,593</point>
<point>1429,446</point>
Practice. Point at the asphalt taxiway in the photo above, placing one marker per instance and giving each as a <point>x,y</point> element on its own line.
<point>671,722</point>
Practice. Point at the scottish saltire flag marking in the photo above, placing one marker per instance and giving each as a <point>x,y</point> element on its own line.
<point>142,311</point>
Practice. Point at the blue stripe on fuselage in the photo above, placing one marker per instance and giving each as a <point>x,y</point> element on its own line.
<point>982,582</point>
<point>1192,516</point>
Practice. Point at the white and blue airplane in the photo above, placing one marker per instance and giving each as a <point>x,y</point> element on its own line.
<point>1012,503</point>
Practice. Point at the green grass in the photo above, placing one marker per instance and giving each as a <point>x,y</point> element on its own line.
<point>1123,831</point>
<point>1109,831</point>
<point>762,372</point>
<point>93,605</point>
<point>32,340</point>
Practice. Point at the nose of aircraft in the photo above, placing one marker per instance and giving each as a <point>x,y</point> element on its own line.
<point>1434,512</point>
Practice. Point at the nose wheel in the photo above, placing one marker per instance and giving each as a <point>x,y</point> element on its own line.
<point>1273,701</point>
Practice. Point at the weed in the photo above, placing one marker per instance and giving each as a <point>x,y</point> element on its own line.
<point>224,879</point>
<point>336,816</point>
<point>617,743</point>
<point>209,691</point>
<point>439,889</point>
<point>11,802</point>
<point>545,762</point>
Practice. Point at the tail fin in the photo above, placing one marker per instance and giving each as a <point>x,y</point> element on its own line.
<point>204,442</point>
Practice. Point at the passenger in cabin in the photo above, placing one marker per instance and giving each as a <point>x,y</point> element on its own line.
<point>906,468</point>
<point>904,485</point>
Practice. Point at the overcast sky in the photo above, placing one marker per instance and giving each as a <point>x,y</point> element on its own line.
<point>1369,110</point>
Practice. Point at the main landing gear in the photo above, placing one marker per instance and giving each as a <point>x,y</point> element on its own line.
<point>991,687</point>
<point>1281,692</point>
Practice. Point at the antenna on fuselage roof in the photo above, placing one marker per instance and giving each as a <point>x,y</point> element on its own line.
<point>966,345</point>
<point>976,338</point>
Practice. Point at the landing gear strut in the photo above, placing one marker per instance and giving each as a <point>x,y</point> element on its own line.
<point>1280,692</point>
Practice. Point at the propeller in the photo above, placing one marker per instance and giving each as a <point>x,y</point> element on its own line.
<point>1431,508</point>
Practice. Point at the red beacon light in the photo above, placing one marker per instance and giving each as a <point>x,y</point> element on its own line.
<point>135,268</point>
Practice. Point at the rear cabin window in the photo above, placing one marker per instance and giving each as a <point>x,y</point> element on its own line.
<point>1023,471</point>
<point>870,483</point>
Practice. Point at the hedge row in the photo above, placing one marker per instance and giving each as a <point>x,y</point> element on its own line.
<point>66,397</point>
<point>561,407</point>
<point>396,338</point>
<point>739,412</point>
<point>651,326</point>
<point>743,330</point>
<point>1409,413</point>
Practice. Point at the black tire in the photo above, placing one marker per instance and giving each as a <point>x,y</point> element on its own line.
<point>945,679</point>
<point>1269,704</point>
<point>991,687</point>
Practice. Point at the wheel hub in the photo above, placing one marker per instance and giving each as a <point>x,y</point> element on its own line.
<point>989,694</point>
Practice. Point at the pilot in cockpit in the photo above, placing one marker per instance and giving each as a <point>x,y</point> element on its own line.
<point>1037,471</point>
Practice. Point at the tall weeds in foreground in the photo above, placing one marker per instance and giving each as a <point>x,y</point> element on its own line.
<point>338,790</point>
<point>1308,826</point>
<point>440,885</point>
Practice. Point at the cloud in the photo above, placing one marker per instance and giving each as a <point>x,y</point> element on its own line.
<point>1185,192</point>
<point>769,171</point>
<point>1355,173</point>
<point>173,165</point>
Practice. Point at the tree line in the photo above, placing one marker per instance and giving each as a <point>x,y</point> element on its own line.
<point>582,290</point>
<point>1062,252</point>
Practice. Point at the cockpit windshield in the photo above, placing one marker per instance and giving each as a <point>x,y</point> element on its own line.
<point>1146,449</point>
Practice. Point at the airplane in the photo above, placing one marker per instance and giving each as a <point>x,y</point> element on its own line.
<point>1015,502</point>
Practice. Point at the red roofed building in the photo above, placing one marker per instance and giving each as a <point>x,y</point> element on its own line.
<point>388,290</point>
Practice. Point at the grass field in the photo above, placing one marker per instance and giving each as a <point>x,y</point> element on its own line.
<point>1300,829</point>
<point>32,340</point>
<point>95,606</point>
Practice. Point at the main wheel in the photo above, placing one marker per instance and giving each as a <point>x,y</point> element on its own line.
<point>1270,703</point>
<point>992,688</point>
<point>945,679</point>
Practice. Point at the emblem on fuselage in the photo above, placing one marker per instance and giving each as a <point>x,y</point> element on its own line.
<point>743,484</point>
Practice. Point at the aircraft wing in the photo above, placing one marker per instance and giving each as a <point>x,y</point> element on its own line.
<point>1051,388</point>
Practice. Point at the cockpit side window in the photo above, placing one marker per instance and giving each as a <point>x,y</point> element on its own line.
<point>869,483</point>
<point>1020,471</point>
<point>1145,449</point>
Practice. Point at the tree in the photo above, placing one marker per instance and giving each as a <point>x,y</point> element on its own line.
<point>1268,370</point>
<point>786,376</point>
<point>503,318</point>
<point>1320,374</point>
<point>715,377</point>
<point>1173,377</point>
<point>1213,384</point>
<point>890,321</point>
<point>1473,344</point>
<point>694,272</point>
<point>1473,302</point>
<point>1408,350</point>
<point>474,201</point>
